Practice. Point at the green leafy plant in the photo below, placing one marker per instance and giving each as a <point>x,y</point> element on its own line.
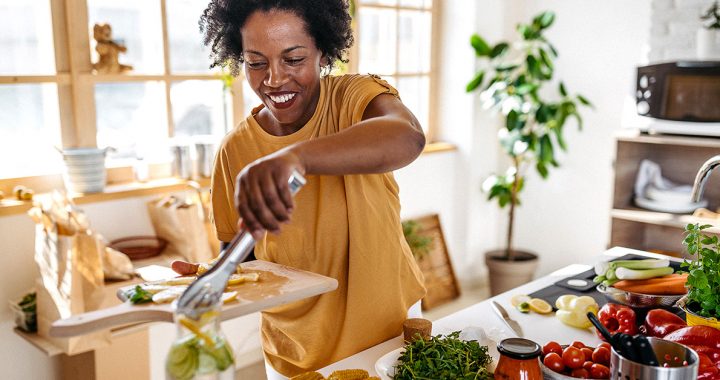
<point>444,357</point>
<point>703,281</point>
<point>512,79</point>
<point>419,244</point>
<point>712,16</point>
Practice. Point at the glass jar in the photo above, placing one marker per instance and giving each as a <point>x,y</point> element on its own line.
<point>200,351</point>
<point>518,360</point>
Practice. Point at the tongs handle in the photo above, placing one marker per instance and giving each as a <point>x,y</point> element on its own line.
<point>242,244</point>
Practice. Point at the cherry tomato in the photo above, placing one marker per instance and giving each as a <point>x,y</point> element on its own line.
<point>605,344</point>
<point>599,371</point>
<point>578,344</point>
<point>554,362</point>
<point>580,373</point>
<point>587,365</point>
<point>587,352</point>
<point>573,357</point>
<point>601,355</point>
<point>552,347</point>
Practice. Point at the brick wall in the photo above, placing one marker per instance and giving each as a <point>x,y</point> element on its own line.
<point>673,27</point>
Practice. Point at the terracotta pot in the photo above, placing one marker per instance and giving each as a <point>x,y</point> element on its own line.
<point>504,274</point>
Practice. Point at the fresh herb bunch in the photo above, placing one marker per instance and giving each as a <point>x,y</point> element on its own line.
<point>445,357</point>
<point>419,244</point>
<point>138,295</point>
<point>703,281</point>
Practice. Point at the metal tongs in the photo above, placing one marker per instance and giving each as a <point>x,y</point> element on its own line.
<point>206,291</point>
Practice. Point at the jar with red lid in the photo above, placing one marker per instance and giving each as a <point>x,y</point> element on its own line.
<point>518,360</point>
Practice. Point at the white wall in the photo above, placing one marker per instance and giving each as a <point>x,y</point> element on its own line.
<point>674,25</point>
<point>567,218</point>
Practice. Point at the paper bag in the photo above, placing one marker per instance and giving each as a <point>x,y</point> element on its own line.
<point>69,258</point>
<point>182,224</point>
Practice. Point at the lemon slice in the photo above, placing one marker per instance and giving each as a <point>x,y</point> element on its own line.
<point>540,306</point>
<point>229,296</point>
<point>236,279</point>
<point>188,324</point>
<point>518,299</point>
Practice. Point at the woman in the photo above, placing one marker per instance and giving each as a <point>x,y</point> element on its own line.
<point>345,134</point>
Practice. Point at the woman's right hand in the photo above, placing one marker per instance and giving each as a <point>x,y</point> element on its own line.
<point>262,195</point>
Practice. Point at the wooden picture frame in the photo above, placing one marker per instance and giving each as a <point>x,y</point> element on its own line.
<point>440,281</point>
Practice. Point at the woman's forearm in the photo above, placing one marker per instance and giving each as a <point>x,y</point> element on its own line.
<point>376,145</point>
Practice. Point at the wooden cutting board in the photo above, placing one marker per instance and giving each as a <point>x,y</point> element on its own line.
<point>278,285</point>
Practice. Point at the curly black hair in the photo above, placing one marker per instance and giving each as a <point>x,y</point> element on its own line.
<point>327,22</point>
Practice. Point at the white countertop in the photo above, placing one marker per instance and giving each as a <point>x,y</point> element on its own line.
<point>536,327</point>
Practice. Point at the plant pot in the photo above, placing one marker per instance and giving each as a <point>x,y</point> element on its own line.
<point>693,319</point>
<point>505,274</point>
<point>708,44</point>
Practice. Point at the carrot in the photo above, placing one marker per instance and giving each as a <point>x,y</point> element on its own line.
<point>672,284</point>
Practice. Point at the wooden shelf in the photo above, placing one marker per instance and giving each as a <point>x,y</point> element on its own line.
<point>692,141</point>
<point>112,192</point>
<point>663,219</point>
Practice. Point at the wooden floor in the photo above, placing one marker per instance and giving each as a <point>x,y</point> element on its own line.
<point>256,371</point>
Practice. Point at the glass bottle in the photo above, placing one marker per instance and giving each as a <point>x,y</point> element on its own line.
<point>200,351</point>
<point>518,360</point>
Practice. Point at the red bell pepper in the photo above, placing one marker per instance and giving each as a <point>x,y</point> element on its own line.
<point>705,336</point>
<point>660,322</point>
<point>617,319</point>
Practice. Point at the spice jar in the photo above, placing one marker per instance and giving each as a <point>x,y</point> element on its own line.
<point>518,360</point>
<point>201,351</point>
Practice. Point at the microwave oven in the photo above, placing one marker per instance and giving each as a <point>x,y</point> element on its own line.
<point>681,97</point>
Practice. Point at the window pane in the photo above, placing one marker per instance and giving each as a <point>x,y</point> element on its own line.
<point>135,24</point>
<point>29,129</point>
<point>26,38</point>
<point>187,52</point>
<point>415,40</point>
<point>381,2</point>
<point>377,41</point>
<point>199,108</point>
<point>131,117</point>
<point>414,92</point>
<point>416,3</point>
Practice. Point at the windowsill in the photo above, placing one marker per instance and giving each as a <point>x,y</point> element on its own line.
<point>112,192</point>
<point>10,206</point>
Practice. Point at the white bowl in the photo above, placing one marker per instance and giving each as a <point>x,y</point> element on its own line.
<point>385,366</point>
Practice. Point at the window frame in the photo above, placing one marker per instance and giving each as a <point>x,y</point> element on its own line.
<point>435,10</point>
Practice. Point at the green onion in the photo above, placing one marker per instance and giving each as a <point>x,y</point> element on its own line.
<point>642,274</point>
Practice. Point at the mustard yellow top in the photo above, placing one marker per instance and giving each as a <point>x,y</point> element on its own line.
<point>344,227</point>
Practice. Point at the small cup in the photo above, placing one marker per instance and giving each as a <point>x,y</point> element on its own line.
<point>414,327</point>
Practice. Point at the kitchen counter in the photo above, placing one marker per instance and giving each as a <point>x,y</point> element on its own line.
<point>536,327</point>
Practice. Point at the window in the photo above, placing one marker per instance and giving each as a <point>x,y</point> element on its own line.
<point>394,39</point>
<point>50,97</point>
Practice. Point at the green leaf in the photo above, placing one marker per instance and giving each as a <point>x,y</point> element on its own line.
<point>559,137</point>
<point>506,67</point>
<point>562,89</point>
<point>542,169</point>
<point>499,49</point>
<point>546,149</point>
<point>546,59</point>
<point>546,19</point>
<point>511,120</point>
<point>584,100</point>
<point>534,66</point>
<point>482,49</point>
<point>476,82</point>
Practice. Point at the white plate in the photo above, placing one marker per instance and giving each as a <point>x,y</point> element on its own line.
<point>675,208</point>
<point>668,196</point>
<point>385,366</point>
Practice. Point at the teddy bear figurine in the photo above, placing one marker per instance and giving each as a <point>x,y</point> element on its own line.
<point>108,50</point>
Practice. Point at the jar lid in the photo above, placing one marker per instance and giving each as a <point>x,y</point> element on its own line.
<point>519,348</point>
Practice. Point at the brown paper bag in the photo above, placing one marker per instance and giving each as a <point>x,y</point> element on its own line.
<point>69,259</point>
<point>182,224</point>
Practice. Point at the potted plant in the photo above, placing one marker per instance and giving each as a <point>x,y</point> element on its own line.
<point>708,36</point>
<point>702,303</point>
<point>512,78</point>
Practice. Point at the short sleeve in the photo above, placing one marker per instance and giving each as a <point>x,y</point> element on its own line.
<point>360,91</point>
<point>224,215</point>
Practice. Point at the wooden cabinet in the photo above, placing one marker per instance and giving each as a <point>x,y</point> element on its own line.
<point>680,157</point>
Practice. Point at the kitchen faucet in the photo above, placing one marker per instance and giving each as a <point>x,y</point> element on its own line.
<point>702,176</point>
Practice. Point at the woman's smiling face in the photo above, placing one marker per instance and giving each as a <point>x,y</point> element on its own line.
<point>282,65</point>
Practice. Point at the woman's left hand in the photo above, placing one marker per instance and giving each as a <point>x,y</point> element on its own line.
<point>262,195</point>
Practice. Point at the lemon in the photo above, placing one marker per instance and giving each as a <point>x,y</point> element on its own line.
<point>188,324</point>
<point>229,296</point>
<point>540,306</point>
<point>236,279</point>
<point>519,299</point>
